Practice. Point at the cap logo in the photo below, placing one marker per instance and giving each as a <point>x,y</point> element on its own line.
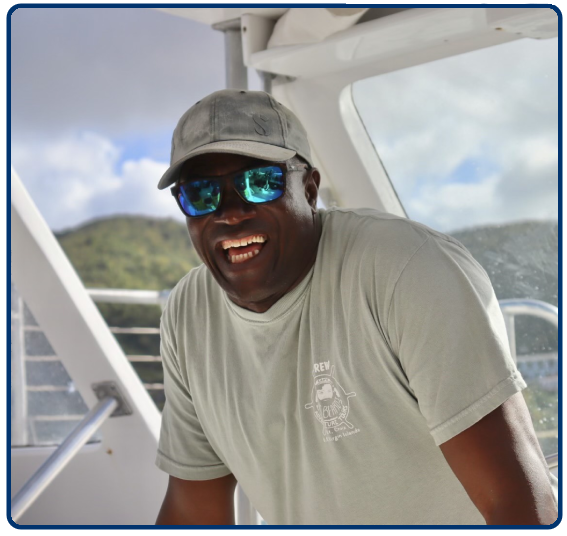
<point>261,125</point>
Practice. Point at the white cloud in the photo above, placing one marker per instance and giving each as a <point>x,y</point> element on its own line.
<point>456,205</point>
<point>494,108</point>
<point>84,70</point>
<point>125,73</point>
<point>118,71</point>
<point>79,177</point>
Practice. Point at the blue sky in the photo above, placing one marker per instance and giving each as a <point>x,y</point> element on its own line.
<point>96,93</point>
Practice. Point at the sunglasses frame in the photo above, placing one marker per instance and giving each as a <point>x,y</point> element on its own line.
<point>284,167</point>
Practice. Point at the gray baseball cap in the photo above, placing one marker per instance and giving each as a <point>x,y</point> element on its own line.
<point>249,123</point>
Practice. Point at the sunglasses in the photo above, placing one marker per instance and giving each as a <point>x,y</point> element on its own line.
<point>201,196</point>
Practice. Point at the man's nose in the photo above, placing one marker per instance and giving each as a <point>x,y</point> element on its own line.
<point>233,209</point>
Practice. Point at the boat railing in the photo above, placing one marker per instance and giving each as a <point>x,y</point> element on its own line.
<point>134,297</point>
<point>92,421</point>
<point>510,308</point>
<point>64,453</point>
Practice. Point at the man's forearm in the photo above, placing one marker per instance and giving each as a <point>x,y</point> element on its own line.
<point>499,462</point>
<point>206,502</point>
<point>533,512</point>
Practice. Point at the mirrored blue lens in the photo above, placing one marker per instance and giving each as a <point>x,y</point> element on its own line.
<point>261,184</point>
<point>200,197</point>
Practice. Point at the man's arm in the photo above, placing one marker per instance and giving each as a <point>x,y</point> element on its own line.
<point>192,502</point>
<point>500,464</point>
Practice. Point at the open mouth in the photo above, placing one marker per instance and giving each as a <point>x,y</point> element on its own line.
<point>244,249</point>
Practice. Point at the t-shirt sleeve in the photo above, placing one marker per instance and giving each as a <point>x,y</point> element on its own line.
<point>184,450</point>
<point>446,327</point>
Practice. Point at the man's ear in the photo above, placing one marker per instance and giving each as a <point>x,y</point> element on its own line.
<point>312,187</point>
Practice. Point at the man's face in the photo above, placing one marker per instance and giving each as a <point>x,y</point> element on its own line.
<point>288,231</point>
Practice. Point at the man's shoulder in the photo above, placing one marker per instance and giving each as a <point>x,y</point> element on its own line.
<point>190,289</point>
<point>388,234</point>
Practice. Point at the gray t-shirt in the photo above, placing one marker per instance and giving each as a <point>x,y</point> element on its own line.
<point>329,407</point>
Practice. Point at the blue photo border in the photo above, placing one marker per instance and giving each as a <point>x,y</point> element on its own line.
<point>287,527</point>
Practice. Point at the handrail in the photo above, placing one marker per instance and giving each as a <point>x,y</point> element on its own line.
<point>552,461</point>
<point>94,419</point>
<point>142,297</point>
<point>33,488</point>
<point>513,307</point>
<point>537,308</point>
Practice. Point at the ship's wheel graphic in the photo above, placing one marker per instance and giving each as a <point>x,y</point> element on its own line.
<point>330,402</point>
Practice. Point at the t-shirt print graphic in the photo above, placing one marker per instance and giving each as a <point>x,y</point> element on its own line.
<point>331,403</point>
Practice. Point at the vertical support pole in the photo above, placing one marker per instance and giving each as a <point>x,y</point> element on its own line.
<point>19,384</point>
<point>236,71</point>
<point>511,331</point>
<point>266,81</point>
<point>245,512</point>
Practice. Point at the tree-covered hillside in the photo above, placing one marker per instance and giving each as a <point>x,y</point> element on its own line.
<point>521,260</point>
<point>132,253</point>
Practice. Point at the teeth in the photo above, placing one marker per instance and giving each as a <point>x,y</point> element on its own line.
<point>244,256</point>
<point>243,242</point>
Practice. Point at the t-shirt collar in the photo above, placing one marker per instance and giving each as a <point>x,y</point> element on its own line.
<point>280,309</point>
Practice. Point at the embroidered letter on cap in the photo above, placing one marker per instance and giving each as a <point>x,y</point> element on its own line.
<point>261,125</point>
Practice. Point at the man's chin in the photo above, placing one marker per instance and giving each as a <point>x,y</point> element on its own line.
<point>245,282</point>
<point>249,298</point>
<point>250,293</point>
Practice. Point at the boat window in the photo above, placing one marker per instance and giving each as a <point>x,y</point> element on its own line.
<point>470,144</point>
<point>45,405</point>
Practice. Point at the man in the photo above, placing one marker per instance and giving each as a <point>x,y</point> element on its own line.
<point>344,366</point>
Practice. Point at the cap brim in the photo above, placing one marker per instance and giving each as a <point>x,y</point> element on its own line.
<point>262,151</point>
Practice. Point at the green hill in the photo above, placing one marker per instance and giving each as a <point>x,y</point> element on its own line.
<point>132,253</point>
<point>521,260</point>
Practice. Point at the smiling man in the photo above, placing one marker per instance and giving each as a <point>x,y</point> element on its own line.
<point>263,249</point>
<point>348,351</point>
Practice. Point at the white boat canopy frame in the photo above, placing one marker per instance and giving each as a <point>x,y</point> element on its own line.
<point>92,356</point>
<point>314,80</point>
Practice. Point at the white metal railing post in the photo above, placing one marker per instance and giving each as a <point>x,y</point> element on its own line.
<point>128,296</point>
<point>511,332</point>
<point>552,461</point>
<point>246,514</point>
<point>33,488</point>
<point>19,428</point>
<point>537,308</point>
<point>546,311</point>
